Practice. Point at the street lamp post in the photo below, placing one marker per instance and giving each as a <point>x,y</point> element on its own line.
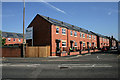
<point>23,30</point>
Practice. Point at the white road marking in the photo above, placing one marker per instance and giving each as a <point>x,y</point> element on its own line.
<point>20,65</point>
<point>98,57</point>
<point>88,54</point>
<point>53,56</point>
<point>74,57</point>
<point>84,65</point>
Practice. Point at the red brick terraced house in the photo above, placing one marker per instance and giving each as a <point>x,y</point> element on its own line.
<point>12,38</point>
<point>102,41</point>
<point>63,38</point>
<point>113,42</point>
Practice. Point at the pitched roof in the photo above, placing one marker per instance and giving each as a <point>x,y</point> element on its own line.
<point>97,34</point>
<point>12,35</point>
<point>66,25</point>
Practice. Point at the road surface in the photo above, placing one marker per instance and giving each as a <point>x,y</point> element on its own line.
<point>97,65</point>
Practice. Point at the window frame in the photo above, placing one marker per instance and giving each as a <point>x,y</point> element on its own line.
<point>56,30</point>
<point>83,44</point>
<point>64,43</point>
<point>9,39</point>
<point>75,33</point>
<point>94,37</point>
<point>75,45</point>
<point>19,40</point>
<point>71,33</point>
<point>80,34</point>
<point>90,44</point>
<point>84,35</point>
<point>89,36</point>
<point>63,31</point>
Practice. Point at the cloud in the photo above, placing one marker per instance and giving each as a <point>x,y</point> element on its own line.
<point>112,11</point>
<point>59,10</point>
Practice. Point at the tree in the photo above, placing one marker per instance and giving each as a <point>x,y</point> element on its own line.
<point>0,38</point>
<point>3,41</point>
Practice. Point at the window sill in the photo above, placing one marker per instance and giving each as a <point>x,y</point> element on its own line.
<point>63,46</point>
<point>63,34</point>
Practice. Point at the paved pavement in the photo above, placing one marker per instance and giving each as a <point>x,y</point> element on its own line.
<point>95,65</point>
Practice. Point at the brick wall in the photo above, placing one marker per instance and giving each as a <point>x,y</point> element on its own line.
<point>68,38</point>
<point>41,31</point>
<point>55,36</point>
<point>103,42</point>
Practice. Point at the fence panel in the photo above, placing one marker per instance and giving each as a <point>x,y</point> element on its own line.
<point>31,51</point>
<point>38,51</point>
<point>11,52</point>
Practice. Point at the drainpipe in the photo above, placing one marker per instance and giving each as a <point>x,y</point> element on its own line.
<point>80,47</point>
<point>67,43</point>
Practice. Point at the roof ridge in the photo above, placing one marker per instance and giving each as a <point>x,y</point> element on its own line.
<point>63,24</point>
<point>11,32</point>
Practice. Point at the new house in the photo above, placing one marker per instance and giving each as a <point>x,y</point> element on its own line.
<point>63,38</point>
<point>102,41</point>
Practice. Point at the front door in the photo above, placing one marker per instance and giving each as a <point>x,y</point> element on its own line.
<point>57,47</point>
<point>88,45</point>
<point>71,45</point>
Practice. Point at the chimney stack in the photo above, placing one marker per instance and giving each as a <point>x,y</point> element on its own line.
<point>112,37</point>
<point>48,18</point>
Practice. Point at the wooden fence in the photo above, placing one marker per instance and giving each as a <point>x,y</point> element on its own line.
<point>11,52</point>
<point>37,51</point>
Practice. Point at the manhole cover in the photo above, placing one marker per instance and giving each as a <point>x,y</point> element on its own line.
<point>64,67</point>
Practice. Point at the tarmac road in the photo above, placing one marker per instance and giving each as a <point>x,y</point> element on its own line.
<point>97,65</point>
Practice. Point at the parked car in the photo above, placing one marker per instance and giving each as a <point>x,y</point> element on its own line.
<point>112,48</point>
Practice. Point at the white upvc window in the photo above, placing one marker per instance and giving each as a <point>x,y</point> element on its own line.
<point>63,31</point>
<point>63,43</point>
<point>94,37</point>
<point>71,33</point>
<point>83,44</point>
<point>80,34</point>
<point>75,34</point>
<point>103,39</point>
<point>90,44</point>
<point>57,30</point>
<point>94,44</point>
<point>75,44</point>
<point>9,39</point>
<point>19,40</point>
<point>89,36</point>
<point>83,35</point>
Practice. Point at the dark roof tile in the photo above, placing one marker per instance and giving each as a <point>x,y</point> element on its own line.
<point>12,35</point>
<point>66,25</point>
